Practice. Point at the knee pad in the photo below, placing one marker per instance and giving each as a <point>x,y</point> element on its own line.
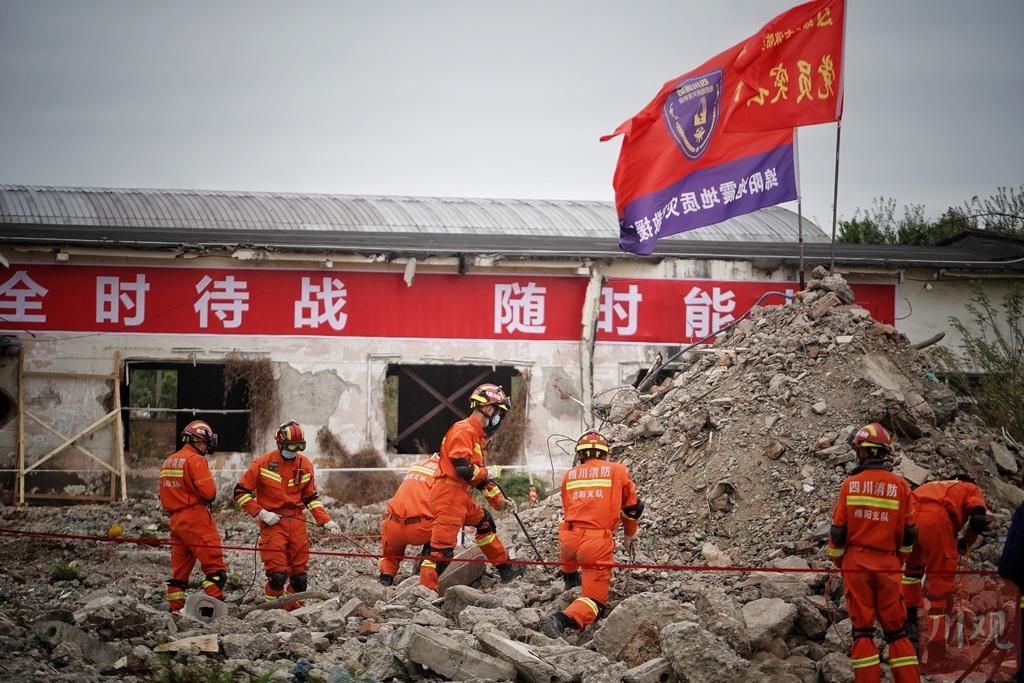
<point>299,582</point>
<point>868,632</point>
<point>486,525</point>
<point>218,578</point>
<point>276,580</point>
<point>893,636</point>
<point>175,583</point>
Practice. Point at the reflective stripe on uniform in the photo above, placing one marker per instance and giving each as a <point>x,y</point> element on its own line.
<point>836,552</point>
<point>588,483</point>
<point>273,476</point>
<point>173,474</point>
<point>489,538</point>
<point>591,604</point>
<point>873,660</point>
<point>909,660</point>
<point>872,502</point>
<point>244,498</point>
<point>910,580</point>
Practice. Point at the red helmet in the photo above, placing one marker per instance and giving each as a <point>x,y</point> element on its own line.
<point>874,438</point>
<point>290,437</point>
<point>592,445</point>
<point>198,431</point>
<point>488,395</point>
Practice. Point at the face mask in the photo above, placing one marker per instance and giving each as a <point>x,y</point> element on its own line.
<point>492,422</point>
<point>286,454</point>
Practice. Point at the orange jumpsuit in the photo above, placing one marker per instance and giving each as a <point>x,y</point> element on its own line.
<point>943,508</point>
<point>284,487</point>
<point>596,495</point>
<point>452,505</point>
<point>874,514</point>
<point>407,521</point>
<point>186,489</point>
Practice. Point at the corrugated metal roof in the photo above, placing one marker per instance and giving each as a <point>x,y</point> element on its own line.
<point>262,211</point>
<point>395,227</point>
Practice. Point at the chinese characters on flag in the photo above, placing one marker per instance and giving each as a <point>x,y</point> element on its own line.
<point>717,142</point>
<point>199,301</point>
<point>790,72</point>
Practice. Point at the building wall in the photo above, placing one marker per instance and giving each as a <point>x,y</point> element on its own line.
<point>338,383</point>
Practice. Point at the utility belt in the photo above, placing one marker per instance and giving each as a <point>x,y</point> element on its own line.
<point>291,513</point>
<point>455,481</point>
<point>584,531</point>
<point>406,520</point>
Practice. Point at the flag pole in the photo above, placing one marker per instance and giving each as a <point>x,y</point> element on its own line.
<point>835,200</point>
<point>800,234</point>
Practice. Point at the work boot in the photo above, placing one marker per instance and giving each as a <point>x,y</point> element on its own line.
<point>386,579</point>
<point>554,625</point>
<point>571,579</point>
<point>913,629</point>
<point>508,571</point>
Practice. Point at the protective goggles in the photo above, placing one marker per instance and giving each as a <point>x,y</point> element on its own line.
<point>294,446</point>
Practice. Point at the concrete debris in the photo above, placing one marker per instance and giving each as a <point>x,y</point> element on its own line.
<point>738,457</point>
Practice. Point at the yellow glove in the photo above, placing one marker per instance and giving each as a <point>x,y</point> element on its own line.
<point>509,505</point>
<point>494,471</point>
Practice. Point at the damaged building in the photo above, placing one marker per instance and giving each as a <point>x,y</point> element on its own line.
<point>371,318</point>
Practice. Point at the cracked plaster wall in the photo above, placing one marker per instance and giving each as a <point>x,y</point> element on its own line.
<point>338,382</point>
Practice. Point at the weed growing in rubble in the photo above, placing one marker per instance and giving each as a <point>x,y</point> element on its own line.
<point>517,486</point>
<point>168,670</point>
<point>992,355</point>
<point>62,571</point>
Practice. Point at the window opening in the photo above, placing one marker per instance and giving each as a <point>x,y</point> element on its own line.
<point>163,397</point>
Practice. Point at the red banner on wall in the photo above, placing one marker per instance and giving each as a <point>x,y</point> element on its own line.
<point>202,301</point>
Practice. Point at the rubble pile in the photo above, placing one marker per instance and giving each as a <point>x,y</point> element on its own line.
<point>739,457</point>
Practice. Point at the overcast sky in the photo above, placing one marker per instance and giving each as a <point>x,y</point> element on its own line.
<point>479,99</point>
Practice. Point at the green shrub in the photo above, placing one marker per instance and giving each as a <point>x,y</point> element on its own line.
<point>517,487</point>
<point>62,571</point>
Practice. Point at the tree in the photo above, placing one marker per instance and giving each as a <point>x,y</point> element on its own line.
<point>995,356</point>
<point>1002,213</point>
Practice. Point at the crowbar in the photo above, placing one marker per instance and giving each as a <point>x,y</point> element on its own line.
<point>521,525</point>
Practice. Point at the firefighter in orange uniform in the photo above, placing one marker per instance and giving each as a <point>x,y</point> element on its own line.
<point>873,531</point>
<point>407,520</point>
<point>186,490</point>
<point>943,508</point>
<point>276,489</point>
<point>596,496</point>
<point>460,469</point>
<point>533,497</point>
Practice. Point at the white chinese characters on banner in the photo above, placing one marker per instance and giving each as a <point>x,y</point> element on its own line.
<point>112,294</point>
<point>19,297</point>
<point>226,298</point>
<point>617,306</point>
<point>708,313</point>
<point>519,308</point>
<point>321,304</point>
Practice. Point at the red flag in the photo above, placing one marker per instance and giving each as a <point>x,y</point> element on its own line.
<point>679,170</point>
<point>791,71</point>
